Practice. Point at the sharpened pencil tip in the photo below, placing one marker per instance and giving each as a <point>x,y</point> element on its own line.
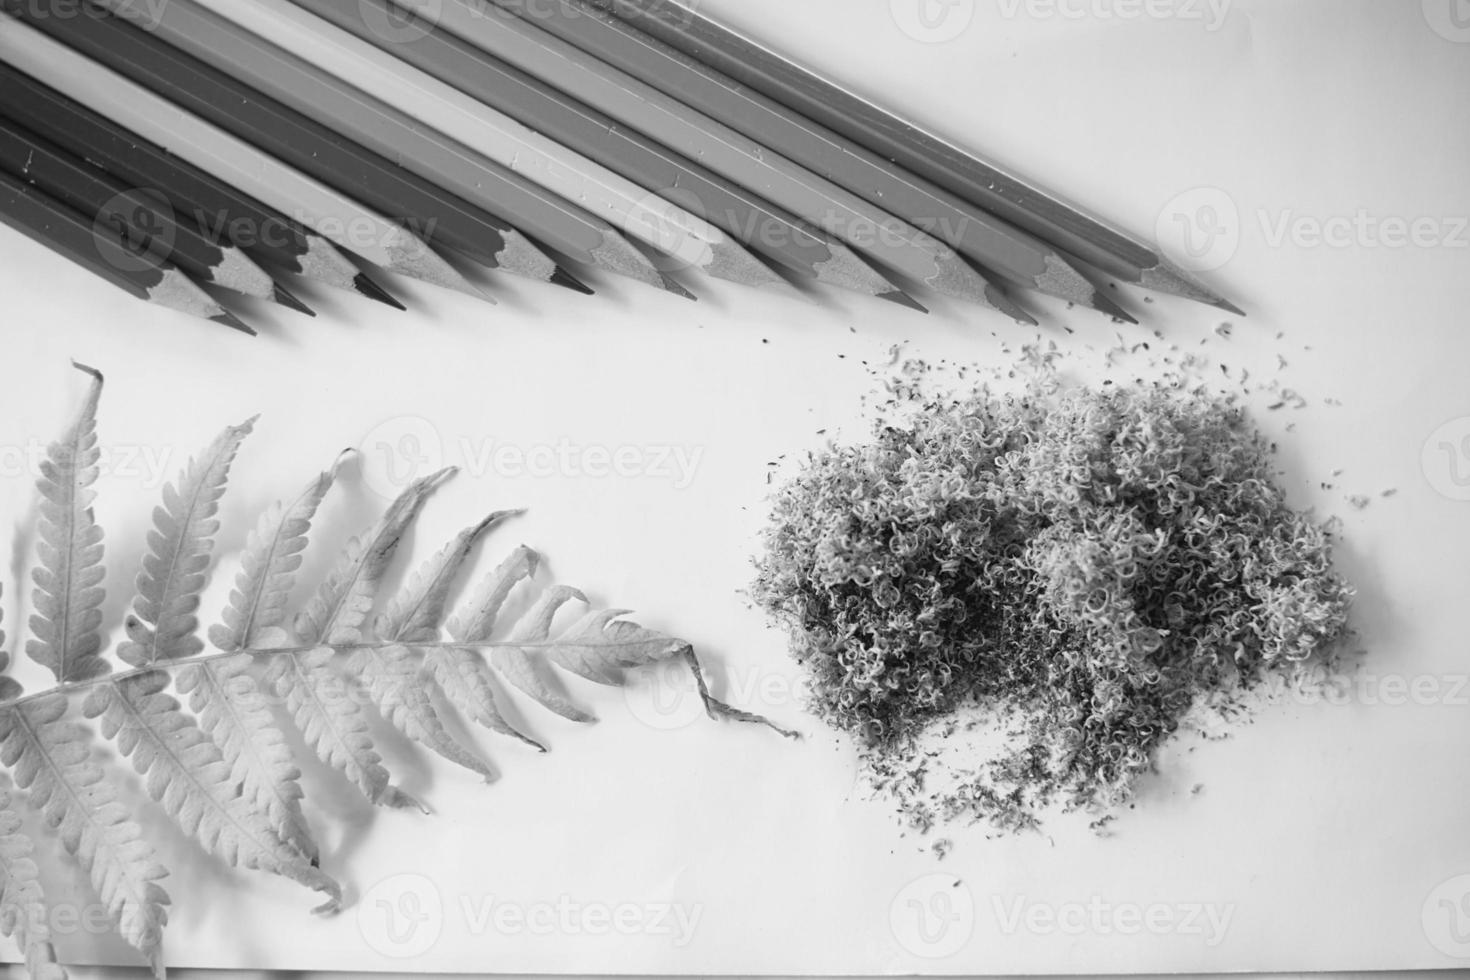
<point>372,290</point>
<point>233,322</point>
<point>280,295</point>
<point>1009,307</point>
<point>903,299</point>
<point>1166,277</point>
<point>673,285</point>
<point>1102,304</point>
<point>564,278</point>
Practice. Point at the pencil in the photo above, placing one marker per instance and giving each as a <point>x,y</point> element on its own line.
<point>146,222</point>
<point>1038,211</point>
<point>378,127</point>
<point>773,233</point>
<point>223,214</point>
<point>66,232</point>
<point>998,246</point>
<point>872,231</point>
<point>333,215</point>
<point>218,98</point>
<point>656,222</point>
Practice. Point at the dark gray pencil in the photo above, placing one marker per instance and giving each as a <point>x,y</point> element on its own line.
<point>64,231</point>
<point>145,221</point>
<point>222,213</point>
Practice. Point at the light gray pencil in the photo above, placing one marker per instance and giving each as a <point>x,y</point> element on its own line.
<point>962,172</point>
<point>998,246</point>
<point>776,235</point>
<point>889,240</point>
<point>493,135</point>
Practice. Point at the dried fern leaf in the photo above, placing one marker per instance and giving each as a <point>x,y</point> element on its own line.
<point>183,770</point>
<point>257,608</point>
<point>49,757</point>
<point>326,706</point>
<point>175,568</point>
<point>513,660</point>
<point>232,710</point>
<point>477,623</point>
<point>68,594</point>
<point>324,702</point>
<point>416,614</point>
<point>9,687</point>
<point>460,673</point>
<point>338,611</point>
<point>224,694</point>
<point>23,910</point>
<point>601,644</point>
<point>465,681</point>
<point>393,679</point>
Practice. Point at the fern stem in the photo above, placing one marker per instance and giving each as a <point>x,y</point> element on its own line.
<point>72,687</point>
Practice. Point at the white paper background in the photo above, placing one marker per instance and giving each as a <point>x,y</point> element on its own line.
<point>1330,833</point>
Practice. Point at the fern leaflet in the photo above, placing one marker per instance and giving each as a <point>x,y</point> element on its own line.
<point>67,623</point>
<point>23,913</point>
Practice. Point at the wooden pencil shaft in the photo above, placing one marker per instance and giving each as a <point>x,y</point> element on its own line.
<point>335,216</point>
<point>630,154</point>
<point>1039,212</point>
<point>285,134</point>
<point>881,235</point>
<point>1000,247</point>
<point>65,231</point>
<point>146,222</point>
<point>627,206</point>
<point>339,106</point>
<point>219,210</point>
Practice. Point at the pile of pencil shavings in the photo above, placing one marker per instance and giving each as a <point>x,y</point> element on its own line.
<point>1072,571</point>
